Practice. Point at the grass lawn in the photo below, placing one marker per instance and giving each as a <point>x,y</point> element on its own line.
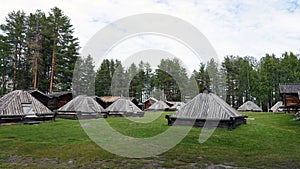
<point>269,141</point>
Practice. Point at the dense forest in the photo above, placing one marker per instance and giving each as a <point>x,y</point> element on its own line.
<point>237,79</point>
<point>39,51</point>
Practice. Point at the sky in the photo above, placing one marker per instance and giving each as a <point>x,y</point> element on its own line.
<point>233,27</point>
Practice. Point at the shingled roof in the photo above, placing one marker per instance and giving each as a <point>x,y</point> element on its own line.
<point>20,103</point>
<point>289,88</point>
<point>82,103</point>
<point>276,106</point>
<point>207,107</point>
<point>177,105</point>
<point>159,106</point>
<point>124,107</point>
<point>81,107</point>
<point>249,106</point>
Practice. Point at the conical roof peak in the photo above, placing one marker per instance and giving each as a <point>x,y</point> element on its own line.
<point>21,103</point>
<point>159,105</point>
<point>249,106</point>
<point>123,105</point>
<point>82,103</point>
<point>207,106</point>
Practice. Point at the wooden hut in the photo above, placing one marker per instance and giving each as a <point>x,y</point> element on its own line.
<point>106,101</point>
<point>135,101</point>
<point>290,94</point>
<point>59,99</point>
<point>149,102</point>
<point>81,107</point>
<point>124,107</point>
<point>176,106</point>
<point>170,103</point>
<point>40,96</point>
<point>207,107</point>
<point>249,106</point>
<point>276,107</point>
<point>21,106</point>
<point>159,106</point>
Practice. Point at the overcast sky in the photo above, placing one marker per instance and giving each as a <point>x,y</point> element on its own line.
<point>233,27</point>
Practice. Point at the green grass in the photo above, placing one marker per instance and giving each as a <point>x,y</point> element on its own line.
<point>269,141</point>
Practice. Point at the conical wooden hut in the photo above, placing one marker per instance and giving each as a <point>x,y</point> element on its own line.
<point>249,106</point>
<point>276,107</point>
<point>176,106</point>
<point>124,107</point>
<point>159,106</point>
<point>81,107</point>
<point>19,105</point>
<point>207,107</point>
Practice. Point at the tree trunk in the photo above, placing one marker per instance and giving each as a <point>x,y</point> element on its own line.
<point>35,68</point>
<point>52,64</point>
<point>15,67</point>
<point>35,61</point>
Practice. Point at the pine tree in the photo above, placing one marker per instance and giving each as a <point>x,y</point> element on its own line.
<point>202,77</point>
<point>14,30</point>
<point>118,84</point>
<point>132,80</point>
<point>168,77</point>
<point>268,77</point>
<point>84,77</point>
<point>35,23</point>
<point>213,72</point>
<point>149,82</point>
<point>103,79</point>
<point>64,50</point>
<point>5,60</point>
<point>231,71</point>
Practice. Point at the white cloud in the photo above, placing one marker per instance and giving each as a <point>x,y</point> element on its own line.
<point>235,27</point>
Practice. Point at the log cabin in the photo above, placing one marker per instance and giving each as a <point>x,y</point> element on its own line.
<point>59,99</point>
<point>149,102</point>
<point>106,101</point>
<point>40,96</point>
<point>290,94</point>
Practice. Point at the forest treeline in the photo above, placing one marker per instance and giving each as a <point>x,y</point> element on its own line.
<point>236,79</point>
<point>39,51</point>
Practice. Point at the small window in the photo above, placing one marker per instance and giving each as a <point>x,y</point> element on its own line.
<point>27,108</point>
